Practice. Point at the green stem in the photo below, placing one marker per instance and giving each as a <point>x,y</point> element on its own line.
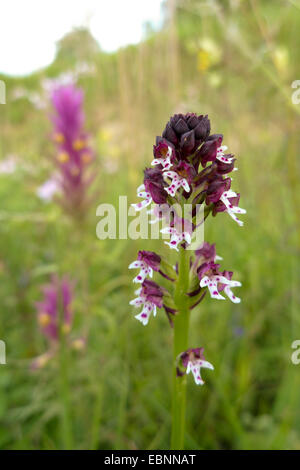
<point>66,424</point>
<point>181,331</point>
<point>67,437</point>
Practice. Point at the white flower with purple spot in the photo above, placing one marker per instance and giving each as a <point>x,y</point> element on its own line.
<point>166,161</point>
<point>148,307</point>
<point>212,281</point>
<point>177,183</point>
<point>150,295</point>
<point>230,208</point>
<point>193,360</point>
<point>176,237</point>
<point>145,270</point>
<point>221,156</point>
<point>195,366</point>
<point>147,198</point>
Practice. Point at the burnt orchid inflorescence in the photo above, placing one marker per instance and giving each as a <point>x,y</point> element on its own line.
<point>54,311</point>
<point>74,154</point>
<point>190,167</point>
<point>55,318</point>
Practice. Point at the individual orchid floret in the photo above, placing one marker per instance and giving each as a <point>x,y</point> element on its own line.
<point>54,311</point>
<point>228,198</point>
<point>224,199</point>
<point>228,159</point>
<point>193,360</point>
<point>210,277</point>
<point>163,154</point>
<point>224,168</point>
<point>150,296</point>
<point>177,182</point>
<point>147,262</point>
<point>182,176</point>
<point>180,230</point>
<point>152,190</point>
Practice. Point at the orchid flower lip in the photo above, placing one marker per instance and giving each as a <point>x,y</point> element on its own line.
<point>145,270</point>
<point>232,210</point>
<point>194,366</point>
<point>147,199</point>
<point>148,308</point>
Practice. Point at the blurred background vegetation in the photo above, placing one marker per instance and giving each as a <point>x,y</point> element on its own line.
<point>234,60</point>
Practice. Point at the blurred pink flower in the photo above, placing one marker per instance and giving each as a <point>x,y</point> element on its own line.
<point>54,311</point>
<point>74,152</point>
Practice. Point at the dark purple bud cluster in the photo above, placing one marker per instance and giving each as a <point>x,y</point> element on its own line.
<point>186,132</point>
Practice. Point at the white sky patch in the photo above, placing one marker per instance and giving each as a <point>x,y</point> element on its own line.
<point>30,28</point>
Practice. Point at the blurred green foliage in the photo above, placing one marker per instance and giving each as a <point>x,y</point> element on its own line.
<point>234,60</point>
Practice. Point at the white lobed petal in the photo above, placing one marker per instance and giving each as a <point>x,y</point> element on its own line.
<point>204,281</point>
<point>213,290</point>
<point>144,315</point>
<point>141,205</point>
<point>136,264</point>
<point>187,237</point>
<point>171,174</point>
<point>169,230</point>
<point>195,369</point>
<point>142,319</point>
<point>206,364</point>
<point>231,296</point>
<point>140,188</point>
<point>185,185</point>
<point>137,302</point>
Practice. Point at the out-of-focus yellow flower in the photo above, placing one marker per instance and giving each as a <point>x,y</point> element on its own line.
<point>63,157</point>
<point>281,59</point>
<point>209,54</point>
<point>44,319</point>
<point>86,157</point>
<point>203,61</point>
<point>58,137</point>
<point>78,344</point>
<point>105,135</point>
<point>66,328</point>
<point>78,144</point>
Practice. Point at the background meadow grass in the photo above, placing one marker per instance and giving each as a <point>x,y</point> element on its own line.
<point>235,61</point>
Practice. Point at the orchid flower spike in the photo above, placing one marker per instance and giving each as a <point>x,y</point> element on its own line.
<point>190,166</point>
